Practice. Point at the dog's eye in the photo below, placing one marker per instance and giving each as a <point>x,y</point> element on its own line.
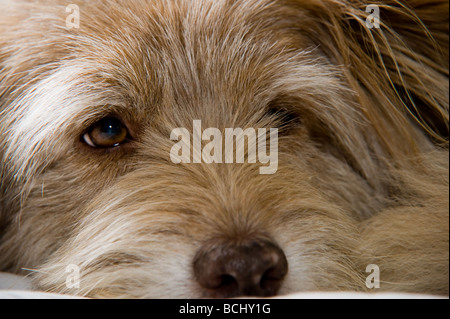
<point>107,133</point>
<point>284,118</point>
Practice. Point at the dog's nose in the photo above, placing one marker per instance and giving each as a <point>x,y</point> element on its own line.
<point>255,268</point>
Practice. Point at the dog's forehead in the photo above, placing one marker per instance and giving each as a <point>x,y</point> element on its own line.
<point>184,49</point>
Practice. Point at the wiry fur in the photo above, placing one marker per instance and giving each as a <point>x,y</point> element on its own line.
<point>363,159</point>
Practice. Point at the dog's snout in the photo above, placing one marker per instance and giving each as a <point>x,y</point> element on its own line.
<point>256,268</point>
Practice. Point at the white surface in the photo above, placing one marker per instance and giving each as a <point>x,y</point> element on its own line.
<point>21,294</point>
<point>354,295</point>
<point>19,287</point>
<point>13,282</point>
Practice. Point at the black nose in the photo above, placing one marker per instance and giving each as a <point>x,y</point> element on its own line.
<point>254,268</point>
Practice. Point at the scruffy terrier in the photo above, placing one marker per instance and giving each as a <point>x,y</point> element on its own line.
<point>356,91</point>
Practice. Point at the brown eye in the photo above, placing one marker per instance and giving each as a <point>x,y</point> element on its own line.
<point>107,133</point>
<point>285,119</point>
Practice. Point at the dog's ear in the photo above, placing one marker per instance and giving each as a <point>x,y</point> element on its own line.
<point>408,44</point>
<point>396,56</point>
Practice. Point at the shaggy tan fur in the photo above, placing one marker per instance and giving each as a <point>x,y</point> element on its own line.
<point>363,147</point>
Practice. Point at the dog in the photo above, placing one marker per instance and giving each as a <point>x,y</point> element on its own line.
<point>357,92</point>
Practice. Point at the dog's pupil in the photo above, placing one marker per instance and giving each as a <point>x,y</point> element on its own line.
<point>110,127</point>
<point>286,119</point>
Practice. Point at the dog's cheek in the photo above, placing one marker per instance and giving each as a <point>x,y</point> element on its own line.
<point>44,209</point>
<point>327,173</point>
<point>122,255</point>
<point>319,246</point>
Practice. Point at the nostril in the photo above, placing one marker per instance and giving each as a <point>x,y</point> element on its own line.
<point>270,278</point>
<point>227,286</point>
<point>228,281</point>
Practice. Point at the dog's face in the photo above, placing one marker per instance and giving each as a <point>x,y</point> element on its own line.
<point>86,126</point>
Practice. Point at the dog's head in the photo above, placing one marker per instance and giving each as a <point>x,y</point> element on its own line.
<point>88,110</point>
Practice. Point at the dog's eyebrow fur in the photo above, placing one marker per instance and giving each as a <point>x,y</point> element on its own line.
<point>52,102</point>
